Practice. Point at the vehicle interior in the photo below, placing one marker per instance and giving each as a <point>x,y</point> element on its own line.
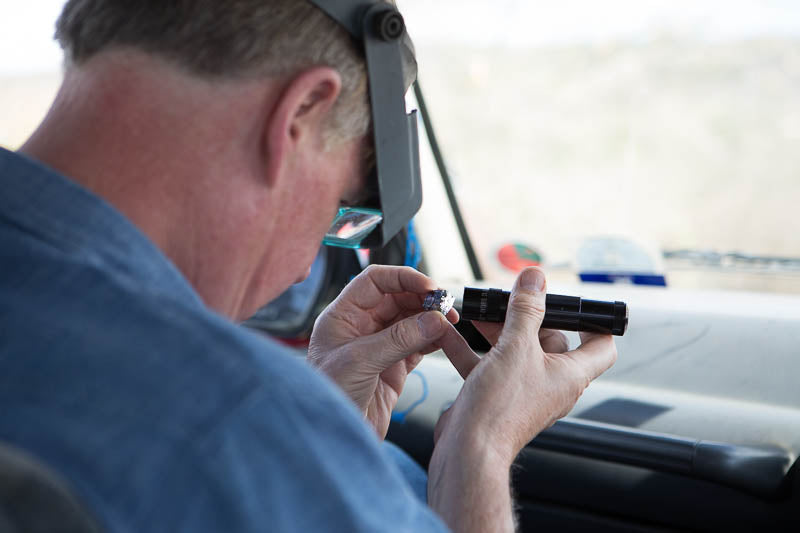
<point>644,152</point>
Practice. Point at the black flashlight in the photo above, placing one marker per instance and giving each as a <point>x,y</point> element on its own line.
<point>569,313</point>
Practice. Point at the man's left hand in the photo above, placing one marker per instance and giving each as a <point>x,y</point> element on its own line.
<point>373,335</point>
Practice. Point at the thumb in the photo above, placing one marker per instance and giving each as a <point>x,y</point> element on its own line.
<point>381,350</point>
<point>526,308</point>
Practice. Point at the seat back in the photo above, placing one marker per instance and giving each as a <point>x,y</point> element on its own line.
<point>33,499</point>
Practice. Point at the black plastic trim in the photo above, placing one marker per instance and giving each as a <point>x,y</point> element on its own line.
<point>757,469</point>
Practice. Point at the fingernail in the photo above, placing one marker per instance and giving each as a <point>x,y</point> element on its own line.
<point>429,324</point>
<point>532,280</point>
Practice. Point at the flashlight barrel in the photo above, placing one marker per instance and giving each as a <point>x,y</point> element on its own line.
<point>570,313</point>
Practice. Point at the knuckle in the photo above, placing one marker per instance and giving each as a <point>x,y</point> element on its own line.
<point>370,270</point>
<point>585,378</point>
<point>580,379</point>
<point>513,345</point>
<point>528,306</point>
<point>609,357</point>
<point>575,391</point>
<point>583,383</point>
<point>399,336</point>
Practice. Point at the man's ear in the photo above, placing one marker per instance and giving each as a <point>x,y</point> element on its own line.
<point>298,118</point>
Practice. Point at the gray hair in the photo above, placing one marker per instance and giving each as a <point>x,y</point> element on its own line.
<point>231,39</point>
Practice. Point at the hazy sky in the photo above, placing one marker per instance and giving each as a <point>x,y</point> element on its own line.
<point>27,46</point>
<point>537,22</point>
<point>26,36</point>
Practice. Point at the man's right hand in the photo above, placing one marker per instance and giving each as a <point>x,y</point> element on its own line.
<point>509,396</point>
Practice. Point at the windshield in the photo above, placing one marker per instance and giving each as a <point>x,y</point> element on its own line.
<point>653,137</point>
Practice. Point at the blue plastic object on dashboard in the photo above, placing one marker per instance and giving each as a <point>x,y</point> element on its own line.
<point>656,280</point>
<point>399,416</point>
<point>602,259</point>
<point>413,254</point>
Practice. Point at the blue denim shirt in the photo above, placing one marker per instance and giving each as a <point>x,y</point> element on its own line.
<point>163,415</point>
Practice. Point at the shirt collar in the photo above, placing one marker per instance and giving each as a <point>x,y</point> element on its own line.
<point>56,210</point>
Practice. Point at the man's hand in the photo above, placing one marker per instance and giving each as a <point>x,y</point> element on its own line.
<point>373,335</point>
<point>517,389</point>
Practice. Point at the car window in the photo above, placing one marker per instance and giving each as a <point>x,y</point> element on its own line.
<point>626,136</point>
<point>30,66</point>
<point>659,137</point>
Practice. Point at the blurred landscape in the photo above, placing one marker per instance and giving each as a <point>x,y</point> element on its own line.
<point>676,125</point>
<point>683,144</point>
<point>24,100</point>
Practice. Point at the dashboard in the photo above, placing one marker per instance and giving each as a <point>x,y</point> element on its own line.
<point>697,426</point>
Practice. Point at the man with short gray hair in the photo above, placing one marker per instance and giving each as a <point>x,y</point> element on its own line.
<point>185,175</point>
